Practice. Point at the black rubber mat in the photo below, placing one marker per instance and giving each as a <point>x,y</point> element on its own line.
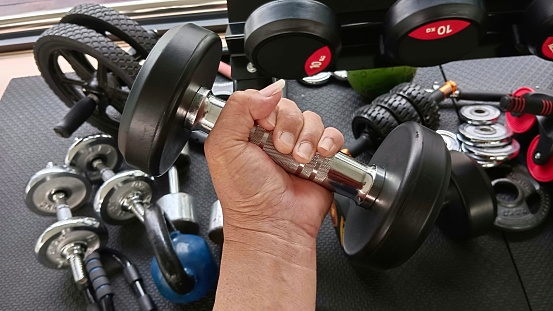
<point>531,251</point>
<point>442,275</point>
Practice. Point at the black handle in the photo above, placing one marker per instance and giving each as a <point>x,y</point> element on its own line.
<point>359,146</point>
<point>167,259</point>
<point>76,116</point>
<point>531,103</point>
<point>480,96</point>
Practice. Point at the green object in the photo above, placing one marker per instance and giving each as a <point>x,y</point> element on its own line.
<point>372,83</point>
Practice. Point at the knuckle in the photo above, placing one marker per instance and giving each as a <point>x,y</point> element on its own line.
<point>312,115</point>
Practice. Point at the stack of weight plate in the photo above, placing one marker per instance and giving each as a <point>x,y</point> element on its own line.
<point>483,139</point>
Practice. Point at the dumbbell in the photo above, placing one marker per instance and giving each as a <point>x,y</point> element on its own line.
<point>178,206</point>
<point>469,208</point>
<point>432,32</point>
<point>405,102</point>
<point>292,39</point>
<point>537,29</point>
<point>215,231</point>
<point>57,190</point>
<point>394,201</point>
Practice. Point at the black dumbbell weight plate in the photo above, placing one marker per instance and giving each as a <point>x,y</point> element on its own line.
<point>522,203</point>
<point>101,68</point>
<point>292,39</point>
<point>103,20</point>
<point>151,137</point>
<point>389,233</point>
<point>537,28</point>
<point>432,32</point>
<point>470,206</point>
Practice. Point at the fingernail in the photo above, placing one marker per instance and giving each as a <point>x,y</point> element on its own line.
<point>327,143</point>
<point>272,118</point>
<point>287,139</point>
<point>305,150</point>
<point>273,88</point>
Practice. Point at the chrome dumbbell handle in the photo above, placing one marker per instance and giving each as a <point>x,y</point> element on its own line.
<point>339,173</point>
<point>74,252</point>
<point>105,171</point>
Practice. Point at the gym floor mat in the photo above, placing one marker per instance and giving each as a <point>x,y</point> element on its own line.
<point>443,274</point>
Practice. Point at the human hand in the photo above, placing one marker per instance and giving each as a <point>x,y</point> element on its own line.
<point>256,194</point>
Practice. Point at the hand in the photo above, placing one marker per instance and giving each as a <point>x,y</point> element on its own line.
<point>271,219</point>
<point>256,194</point>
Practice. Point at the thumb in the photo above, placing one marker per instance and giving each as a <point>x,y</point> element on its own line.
<point>242,109</point>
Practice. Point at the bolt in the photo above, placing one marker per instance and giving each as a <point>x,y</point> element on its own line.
<point>251,68</point>
<point>134,204</point>
<point>74,254</point>
<point>537,156</point>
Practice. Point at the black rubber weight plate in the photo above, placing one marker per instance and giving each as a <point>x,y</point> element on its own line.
<point>103,19</point>
<point>152,133</point>
<point>73,42</point>
<point>471,209</point>
<point>417,166</point>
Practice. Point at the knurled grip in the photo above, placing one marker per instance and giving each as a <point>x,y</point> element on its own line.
<point>316,170</point>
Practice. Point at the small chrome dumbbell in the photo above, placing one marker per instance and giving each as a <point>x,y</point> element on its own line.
<point>97,155</point>
<point>179,206</point>
<point>57,190</point>
<point>215,231</point>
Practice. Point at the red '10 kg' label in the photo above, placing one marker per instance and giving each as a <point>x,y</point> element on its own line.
<point>547,48</point>
<point>439,30</point>
<point>318,61</point>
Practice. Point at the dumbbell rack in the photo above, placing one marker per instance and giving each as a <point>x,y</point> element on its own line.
<point>361,26</point>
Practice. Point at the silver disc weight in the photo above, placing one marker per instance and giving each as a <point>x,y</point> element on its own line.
<point>480,114</point>
<point>485,133</point>
<point>450,139</point>
<point>318,79</point>
<point>483,144</point>
<point>497,153</point>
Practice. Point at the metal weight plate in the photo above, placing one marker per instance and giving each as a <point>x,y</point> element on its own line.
<point>503,153</point>
<point>317,79</point>
<point>484,162</point>
<point>151,136</point>
<point>484,133</point>
<point>108,202</point>
<point>523,204</point>
<point>484,144</point>
<point>87,149</point>
<point>77,230</point>
<point>450,139</point>
<point>340,75</point>
<point>390,232</point>
<point>480,114</point>
<point>470,206</point>
<point>43,184</point>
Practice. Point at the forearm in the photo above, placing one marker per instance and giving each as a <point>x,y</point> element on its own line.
<point>261,271</point>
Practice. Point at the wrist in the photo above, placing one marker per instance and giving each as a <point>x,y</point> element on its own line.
<point>276,237</point>
<point>260,270</point>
